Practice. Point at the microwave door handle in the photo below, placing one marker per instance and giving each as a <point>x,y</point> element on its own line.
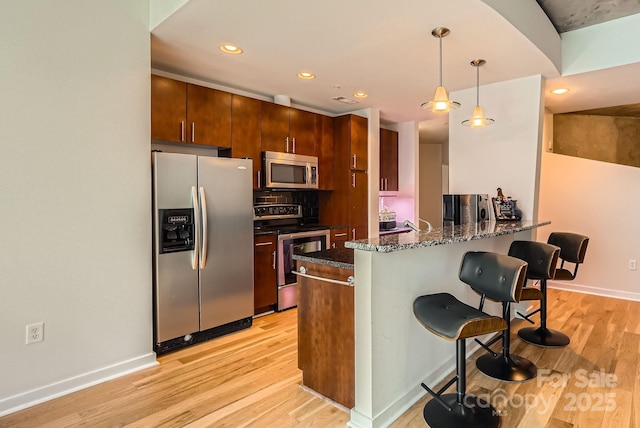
<point>196,211</point>
<point>205,229</point>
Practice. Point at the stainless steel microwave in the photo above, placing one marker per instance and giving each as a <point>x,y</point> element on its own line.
<point>290,171</point>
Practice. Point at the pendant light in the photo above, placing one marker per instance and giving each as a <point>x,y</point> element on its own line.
<point>440,102</point>
<point>477,118</point>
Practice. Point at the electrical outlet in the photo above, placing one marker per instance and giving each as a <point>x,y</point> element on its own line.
<point>632,265</point>
<point>35,333</point>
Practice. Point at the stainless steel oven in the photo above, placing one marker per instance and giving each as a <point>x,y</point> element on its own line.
<point>298,243</point>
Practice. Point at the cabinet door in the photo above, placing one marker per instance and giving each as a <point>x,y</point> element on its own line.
<point>388,160</point>
<point>324,149</point>
<point>245,133</point>
<point>275,128</point>
<point>302,132</point>
<point>265,289</point>
<point>208,116</point>
<point>168,109</point>
<point>339,237</point>
<point>358,143</point>
<point>358,205</point>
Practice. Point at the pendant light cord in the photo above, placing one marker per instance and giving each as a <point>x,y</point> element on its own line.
<point>478,85</point>
<point>440,60</point>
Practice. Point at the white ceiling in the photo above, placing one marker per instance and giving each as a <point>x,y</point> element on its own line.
<point>383,48</point>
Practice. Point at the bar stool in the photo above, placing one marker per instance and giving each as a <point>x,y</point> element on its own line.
<point>572,249</point>
<point>496,276</point>
<point>540,258</point>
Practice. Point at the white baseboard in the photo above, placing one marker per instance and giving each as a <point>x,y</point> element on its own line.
<point>48,392</point>
<point>604,292</point>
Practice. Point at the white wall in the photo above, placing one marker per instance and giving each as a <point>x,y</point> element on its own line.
<point>75,189</point>
<point>505,154</point>
<point>596,199</point>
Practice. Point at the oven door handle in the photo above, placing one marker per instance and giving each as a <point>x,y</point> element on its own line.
<point>350,282</point>
<point>311,234</point>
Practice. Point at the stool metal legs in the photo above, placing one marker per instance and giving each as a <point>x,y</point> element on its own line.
<point>511,368</point>
<point>459,409</point>
<point>542,336</point>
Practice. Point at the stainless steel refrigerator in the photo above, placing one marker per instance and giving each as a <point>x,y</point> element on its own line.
<point>202,249</point>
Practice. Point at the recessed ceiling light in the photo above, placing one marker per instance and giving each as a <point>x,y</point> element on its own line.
<point>306,75</point>
<point>560,91</point>
<point>230,49</point>
<point>360,94</point>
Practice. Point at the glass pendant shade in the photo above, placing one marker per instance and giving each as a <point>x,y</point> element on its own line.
<point>478,120</point>
<point>440,102</point>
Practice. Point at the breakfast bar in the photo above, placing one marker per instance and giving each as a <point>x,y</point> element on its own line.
<point>393,353</point>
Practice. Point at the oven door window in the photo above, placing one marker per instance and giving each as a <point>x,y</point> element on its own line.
<point>297,246</point>
<point>289,174</point>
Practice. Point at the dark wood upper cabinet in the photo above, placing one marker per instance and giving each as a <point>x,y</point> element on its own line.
<point>168,109</point>
<point>359,138</point>
<point>186,113</point>
<point>388,160</point>
<point>245,133</point>
<point>301,132</point>
<point>324,148</point>
<point>208,116</point>
<point>288,130</point>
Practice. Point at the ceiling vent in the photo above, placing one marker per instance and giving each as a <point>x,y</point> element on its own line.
<point>345,100</point>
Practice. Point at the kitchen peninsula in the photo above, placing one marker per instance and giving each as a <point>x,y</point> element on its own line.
<point>393,352</point>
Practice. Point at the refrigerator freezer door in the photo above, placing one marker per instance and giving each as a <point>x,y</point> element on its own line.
<point>175,279</point>
<point>226,279</point>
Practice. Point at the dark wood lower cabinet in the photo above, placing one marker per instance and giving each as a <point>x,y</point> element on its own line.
<point>265,288</point>
<point>326,345</point>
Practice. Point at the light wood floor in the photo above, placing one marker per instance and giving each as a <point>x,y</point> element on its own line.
<point>251,379</point>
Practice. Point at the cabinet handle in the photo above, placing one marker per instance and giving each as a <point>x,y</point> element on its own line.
<point>353,234</point>
<point>262,244</point>
<point>353,179</point>
<point>294,144</point>
<point>386,184</point>
<point>287,142</point>
<point>333,245</point>
<point>193,132</point>
<point>354,161</point>
<point>182,130</point>
<point>382,184</point>
<point>258,179</point>
<point>274,261</point>
<point>337,235</point>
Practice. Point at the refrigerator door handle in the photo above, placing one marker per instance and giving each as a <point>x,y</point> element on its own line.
<point>205,231</point>
<point>196,209</point>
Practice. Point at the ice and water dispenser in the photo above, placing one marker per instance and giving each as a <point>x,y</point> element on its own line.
<point>177,230</point>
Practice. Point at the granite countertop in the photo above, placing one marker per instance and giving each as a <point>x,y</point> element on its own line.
<point>443,235</point>
<point>336,257</point>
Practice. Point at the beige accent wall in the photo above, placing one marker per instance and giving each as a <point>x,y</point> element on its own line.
<point>603,138</point>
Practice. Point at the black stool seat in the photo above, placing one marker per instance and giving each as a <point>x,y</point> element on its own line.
<point>496,276</point>
<point>449,318</point>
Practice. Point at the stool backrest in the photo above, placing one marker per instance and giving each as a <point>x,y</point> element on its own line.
<point>496,276</point>
<point>541,258</point>
<point>573,246</point>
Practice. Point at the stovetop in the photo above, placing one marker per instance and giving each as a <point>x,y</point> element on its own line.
<point>280,219</point>
<point>287,228</point>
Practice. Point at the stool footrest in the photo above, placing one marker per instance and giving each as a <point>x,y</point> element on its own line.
<point>489,343</point>
<point>436,395</point>
<point>528,316</point>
